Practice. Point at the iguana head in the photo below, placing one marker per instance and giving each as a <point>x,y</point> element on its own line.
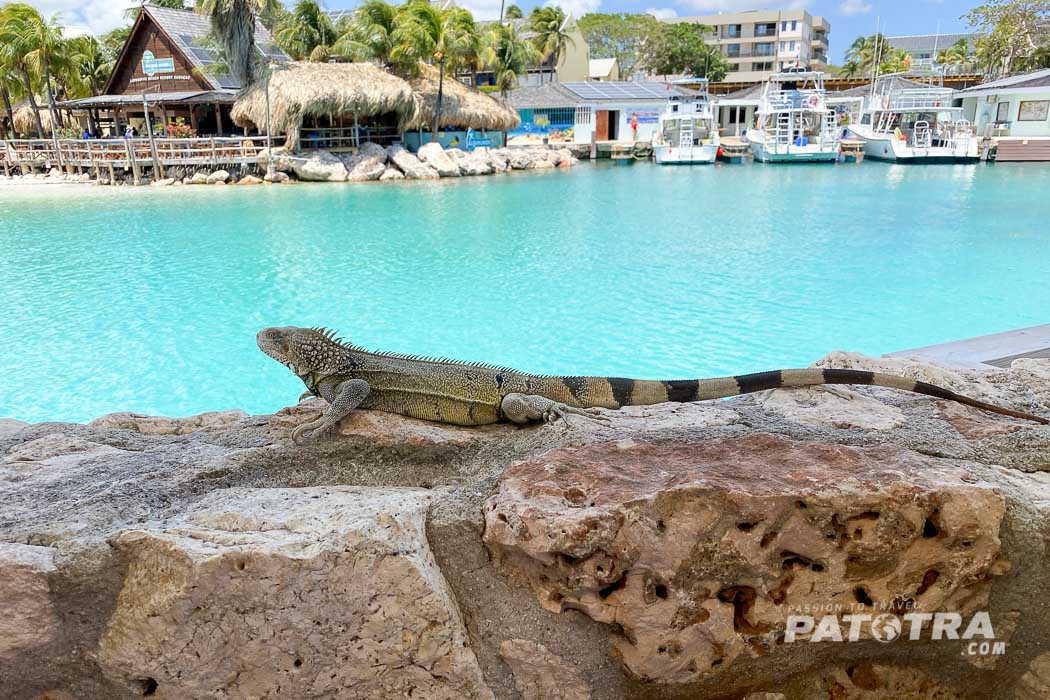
<point>303,350</point>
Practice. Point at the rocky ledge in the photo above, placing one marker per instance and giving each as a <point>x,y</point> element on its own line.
<point>671,554</point>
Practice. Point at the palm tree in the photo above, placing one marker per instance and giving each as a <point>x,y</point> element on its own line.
<point>93,65</point>
<point>40,43</point>
<point>370,34</point>
<point>508,56</point>
<point>957,53</point>
<point>513,12</point>
<point>10,90</point>
<point>549,24</point>
<point>850,69</point>
<point>470,58</point>
<point>427,33</point>
<point>307,32</point>
<point>233,22</point>
<point>15,19</point>
<point>868,52</point>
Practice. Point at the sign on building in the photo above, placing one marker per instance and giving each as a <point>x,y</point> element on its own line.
<point>151,65</point>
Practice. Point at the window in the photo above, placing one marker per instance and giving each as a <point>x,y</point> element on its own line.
<point>784,26</point>
<point>791,46</point>
<point>766,29</point>
<point>583,116</point>
<point>765,49</point>
<point>794,24</point>
<point>1033,111</point>
<point>768,65</point>
<point>733,50</point>
<point>1002,113</point>
<point>733,31</point>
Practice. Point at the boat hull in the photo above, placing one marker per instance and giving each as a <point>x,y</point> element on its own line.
<point>669,155</point>
<point>891,150</point>
<point>780,153</point>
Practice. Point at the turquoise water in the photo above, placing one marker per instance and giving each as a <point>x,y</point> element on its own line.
<point>149,300</point>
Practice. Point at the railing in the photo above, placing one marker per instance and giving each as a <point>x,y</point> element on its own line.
<point>126,153</point>
<point>918,99</point>
<point>797,99</point>
<point>334,138</point>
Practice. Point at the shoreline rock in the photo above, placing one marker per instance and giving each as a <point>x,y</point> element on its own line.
<point>655,557</point>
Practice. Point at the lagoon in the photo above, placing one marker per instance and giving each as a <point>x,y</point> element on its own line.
<point>148,300</point>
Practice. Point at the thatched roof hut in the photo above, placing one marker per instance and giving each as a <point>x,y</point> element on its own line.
<point>323,90</point>
<point>461,106</point>
<point>24,122</point>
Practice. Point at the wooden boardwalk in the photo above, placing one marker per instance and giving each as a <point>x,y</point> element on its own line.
<point>108,155</point>
<point>987,351</point>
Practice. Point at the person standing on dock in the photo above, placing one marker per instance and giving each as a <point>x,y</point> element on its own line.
<point>634,127</point>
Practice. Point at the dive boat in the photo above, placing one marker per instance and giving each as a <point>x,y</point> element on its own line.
<point>908,124</point>
<point>687,131</point>
<point>794,122</point>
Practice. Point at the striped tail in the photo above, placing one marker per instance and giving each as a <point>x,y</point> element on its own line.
<point>615,392</point>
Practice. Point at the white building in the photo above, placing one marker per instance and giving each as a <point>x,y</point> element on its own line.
<point>1014,106</point>
<point>757,43</point>
<point>576,111</point>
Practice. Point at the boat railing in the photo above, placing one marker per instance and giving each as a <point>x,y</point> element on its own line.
<point>796,99</point>
<point>915,99</point>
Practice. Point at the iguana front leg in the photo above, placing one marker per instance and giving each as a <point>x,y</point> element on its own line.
<point>342,399</point>
<point>527,408</point>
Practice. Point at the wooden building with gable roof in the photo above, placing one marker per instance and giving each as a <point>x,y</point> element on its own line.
<point>170,60</point>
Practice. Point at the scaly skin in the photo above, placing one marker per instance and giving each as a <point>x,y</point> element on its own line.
<point>348,377</point>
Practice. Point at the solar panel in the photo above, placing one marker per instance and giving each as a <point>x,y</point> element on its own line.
<point>618,90</point>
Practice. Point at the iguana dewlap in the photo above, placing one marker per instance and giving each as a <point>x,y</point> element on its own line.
<point>349,377</point>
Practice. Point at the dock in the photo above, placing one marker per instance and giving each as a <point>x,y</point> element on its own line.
<point>734,150</point>
<point>986,351</point>
<point>852,150</point>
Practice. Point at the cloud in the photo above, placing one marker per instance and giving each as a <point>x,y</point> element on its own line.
<point>662,12</point>
<point>485,9</point>
<point>576,8</point>
<point>708,6</point>
<point>100,16</point>
<point>854,7</point>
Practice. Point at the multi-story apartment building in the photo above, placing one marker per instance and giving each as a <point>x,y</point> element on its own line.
<point>757,43</point>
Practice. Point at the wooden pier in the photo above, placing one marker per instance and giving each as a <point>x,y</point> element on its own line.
<point>987,351</point>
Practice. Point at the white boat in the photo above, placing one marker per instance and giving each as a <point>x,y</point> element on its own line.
<point>794,122</point>
<point>908,124</point>
<point>687,131</point>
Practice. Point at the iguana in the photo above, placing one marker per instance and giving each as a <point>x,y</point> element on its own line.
<point>349,377</point>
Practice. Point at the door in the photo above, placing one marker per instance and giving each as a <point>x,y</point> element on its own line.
<point>614,124</point>
<point>601,125</point>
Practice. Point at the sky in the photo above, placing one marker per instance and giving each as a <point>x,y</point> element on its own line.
<point>849,18</point>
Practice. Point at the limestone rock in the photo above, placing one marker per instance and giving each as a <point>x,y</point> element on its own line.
<point>166,182</point>
<point>159,425</point>
<point>320,592</point>
<point>476,163</point>
<point>319,166</point>
<point>868,681</point>
<point>198,179</point>
<point>412,167</point>
<point>832,407</point>
<point>276,177</point>
<point>366,168</point>
<point>372,150</point>
<point>700,551</point>
<point>10,426</point>
<point>1035,683</point>
<point>218,176</point>
<point>541,675</point>
<point>54,445</point>
<point>29,618</point>
<point>391,173</point>
<point>250,180</point>
<point>282,159</point>
<point>434,155</point>
<point>520,159</point>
